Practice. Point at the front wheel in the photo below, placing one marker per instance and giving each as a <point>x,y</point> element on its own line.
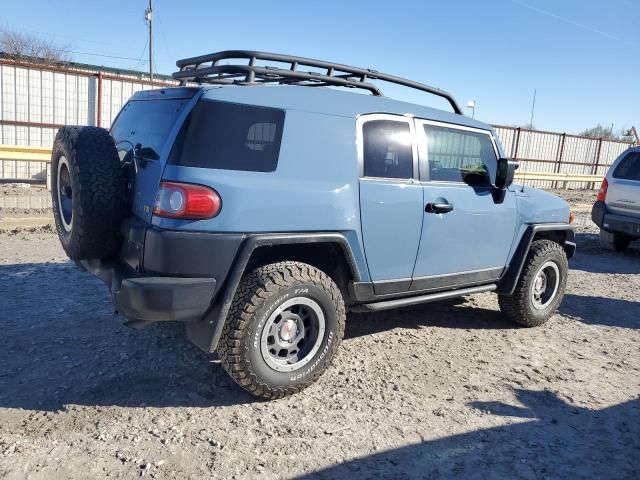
<point>541,285</point>
<point>283,329</point>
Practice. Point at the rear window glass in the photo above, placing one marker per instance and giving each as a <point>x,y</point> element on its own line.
<point>629,167</point>
<point>146,122</point>
<point>230,136</point>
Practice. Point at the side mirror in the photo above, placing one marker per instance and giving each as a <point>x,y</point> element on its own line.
<point>505,173</point>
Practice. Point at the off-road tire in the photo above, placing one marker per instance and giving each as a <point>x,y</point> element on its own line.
<point>519,306</point>
<point>617,242</point>
<point>98,185</point>
<point>259,293</point>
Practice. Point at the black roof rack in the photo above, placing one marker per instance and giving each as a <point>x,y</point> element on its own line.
<point>207,69</point>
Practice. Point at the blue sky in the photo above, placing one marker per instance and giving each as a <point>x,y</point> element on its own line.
<point>582,56</point>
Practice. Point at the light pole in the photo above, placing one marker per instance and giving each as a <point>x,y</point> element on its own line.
<point>472,105</point>
<point>533,108</point>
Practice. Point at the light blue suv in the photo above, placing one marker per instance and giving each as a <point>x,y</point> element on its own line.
<point>258,203</point>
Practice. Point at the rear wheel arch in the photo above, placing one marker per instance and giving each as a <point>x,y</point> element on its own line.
<point>315,249</point>
<point>329,257</point>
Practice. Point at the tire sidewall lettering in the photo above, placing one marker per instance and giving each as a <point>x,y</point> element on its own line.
<point>261,369</point>
<point>317,362</point>
<point>265,315</point>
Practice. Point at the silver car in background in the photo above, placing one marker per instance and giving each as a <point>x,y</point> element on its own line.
<point>617,208</point>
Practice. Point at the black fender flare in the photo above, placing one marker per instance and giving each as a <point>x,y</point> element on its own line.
<point>507,283</point>
<point>206,333</point>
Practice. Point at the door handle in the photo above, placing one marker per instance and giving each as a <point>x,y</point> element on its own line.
<point>438,207</point>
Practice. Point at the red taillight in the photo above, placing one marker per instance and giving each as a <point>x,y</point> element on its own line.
<point>602,193</point>
<point>183,200</point>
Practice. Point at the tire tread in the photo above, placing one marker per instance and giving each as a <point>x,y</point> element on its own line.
<point>254,289</point>
<point>99,187</point>
<point>516,306</point>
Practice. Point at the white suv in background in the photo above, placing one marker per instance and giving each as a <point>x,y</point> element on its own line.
<point>617,208</point>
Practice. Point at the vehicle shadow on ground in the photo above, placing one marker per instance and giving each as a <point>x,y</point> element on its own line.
<point>555,440</point>
<point>612,312</point>
<point>605,261</point>
<point>63,345</point>
<point>444,314</point>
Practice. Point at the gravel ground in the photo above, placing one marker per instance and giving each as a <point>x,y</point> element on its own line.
<point>437,391</point>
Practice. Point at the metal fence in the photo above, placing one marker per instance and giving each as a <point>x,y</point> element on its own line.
<point>36,100</point>
<point>551,152</point>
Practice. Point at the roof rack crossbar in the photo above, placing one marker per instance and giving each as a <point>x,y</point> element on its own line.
<point>207,69</point>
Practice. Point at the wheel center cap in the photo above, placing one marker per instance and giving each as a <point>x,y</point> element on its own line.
<point>288,330</point>
<point>541,282</point>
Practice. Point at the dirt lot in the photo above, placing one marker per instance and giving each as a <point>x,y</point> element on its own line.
<point>437,391</point>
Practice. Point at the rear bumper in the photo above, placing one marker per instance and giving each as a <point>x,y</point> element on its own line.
<point>615,223</point>
<point>153,299</point>
<point>166,275</point>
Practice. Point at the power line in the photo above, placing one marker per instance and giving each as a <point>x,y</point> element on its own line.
<point>572,22</point>
<point>103,55</point>
<point>59,35</point>
<point>144,49</point>
<point>165,43</point>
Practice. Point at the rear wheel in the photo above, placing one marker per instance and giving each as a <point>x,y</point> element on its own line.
<point>541,285</point>
<point>88,192</point>
<point>283,329</point>
<point>614,241</point>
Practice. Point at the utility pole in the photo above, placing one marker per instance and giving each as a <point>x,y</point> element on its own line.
<point>533,108</point>
<point>148,15</point>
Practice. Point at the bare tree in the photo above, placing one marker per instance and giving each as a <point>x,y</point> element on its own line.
<point>32,47</point>
<point>606,133</point>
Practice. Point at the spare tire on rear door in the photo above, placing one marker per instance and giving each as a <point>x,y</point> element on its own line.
<point>88,190</point>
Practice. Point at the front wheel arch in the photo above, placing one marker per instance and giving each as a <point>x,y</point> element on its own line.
<point>560,233</point>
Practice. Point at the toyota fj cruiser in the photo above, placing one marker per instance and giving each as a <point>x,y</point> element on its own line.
<point>258,203</point>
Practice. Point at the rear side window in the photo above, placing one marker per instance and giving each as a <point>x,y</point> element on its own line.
<point>146,122</point>
<point>459,155</point>
<point>387,149</point>
<point>230,136</point>
<point>629,167</point>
